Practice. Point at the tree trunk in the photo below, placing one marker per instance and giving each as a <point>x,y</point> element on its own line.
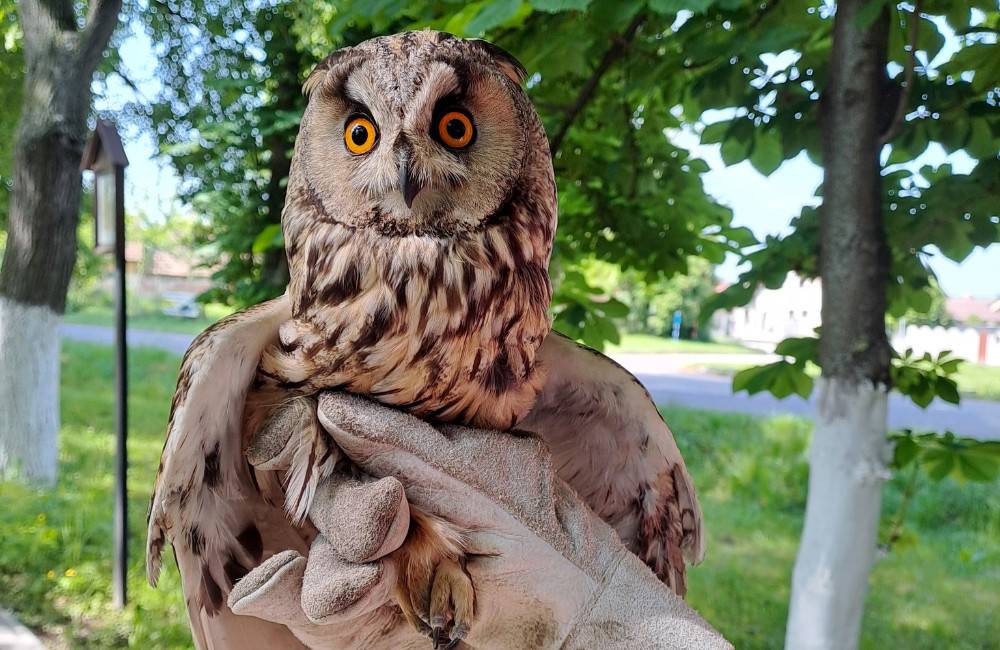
<point>849,449</point>
<point>44,212</point>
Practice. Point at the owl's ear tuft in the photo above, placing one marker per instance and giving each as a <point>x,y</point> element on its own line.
<point>315,78</point>
<point>506,61</point>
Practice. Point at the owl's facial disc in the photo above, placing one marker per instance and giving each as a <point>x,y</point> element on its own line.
<point>414,142</point>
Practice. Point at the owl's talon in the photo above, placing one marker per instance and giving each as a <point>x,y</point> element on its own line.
<point>438,602</point>
<point>438,637</point>
<point>452,599</point>
<point>433,590</point>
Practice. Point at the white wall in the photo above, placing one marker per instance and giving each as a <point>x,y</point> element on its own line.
<point>962,341</point>
<point>794,310</point>
<point>775,314</point>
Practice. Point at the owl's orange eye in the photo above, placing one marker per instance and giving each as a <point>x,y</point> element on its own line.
<point>455,129</point>
<point>360,135</point>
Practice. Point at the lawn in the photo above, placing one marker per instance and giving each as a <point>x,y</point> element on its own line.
<point>974,380</point>
<point>649,344</point>
<point>152,319</point>
<point>979,380</point>
<point>938,591</point>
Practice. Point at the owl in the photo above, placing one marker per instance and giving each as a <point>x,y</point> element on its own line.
<point>420,214</point>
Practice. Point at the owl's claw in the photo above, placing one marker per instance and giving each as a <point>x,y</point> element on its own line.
<point>438,602</point>
<point>452,601</point>
<point>439,638</point>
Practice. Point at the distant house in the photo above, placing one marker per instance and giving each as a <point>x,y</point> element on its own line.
<point>983,312</point>
<point>155,273</point>
<point>794,310</point>
<point>773,314</point>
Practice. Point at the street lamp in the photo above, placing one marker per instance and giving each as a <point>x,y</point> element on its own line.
<point>105,156</point>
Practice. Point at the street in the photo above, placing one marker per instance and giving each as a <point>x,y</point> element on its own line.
<point>671,382</point>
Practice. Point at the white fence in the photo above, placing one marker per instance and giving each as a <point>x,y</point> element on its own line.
<point>969,343</point>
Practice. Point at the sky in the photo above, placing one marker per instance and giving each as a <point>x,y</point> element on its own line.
<point>765,204</point>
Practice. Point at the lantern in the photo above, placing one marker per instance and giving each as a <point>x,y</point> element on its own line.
<point>105,156</point>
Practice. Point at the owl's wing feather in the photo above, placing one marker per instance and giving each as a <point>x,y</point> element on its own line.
<point>612,446</point>
<point>205,499</point>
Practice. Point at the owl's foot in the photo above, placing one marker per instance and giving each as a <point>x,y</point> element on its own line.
<point>434,591</point>
<point>452,600</point>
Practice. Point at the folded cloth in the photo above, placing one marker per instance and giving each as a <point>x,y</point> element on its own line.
<point>548,573</point>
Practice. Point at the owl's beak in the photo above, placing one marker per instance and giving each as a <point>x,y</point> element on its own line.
<point>409,186</point>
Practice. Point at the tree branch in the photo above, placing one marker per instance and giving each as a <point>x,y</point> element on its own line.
<point>102,18</point>
<point>613,53</point>
<point>911,63</point>
<point>42,18</point>
<point>128,82</point>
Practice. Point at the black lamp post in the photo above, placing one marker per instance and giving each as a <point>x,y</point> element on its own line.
<point>105,156</point>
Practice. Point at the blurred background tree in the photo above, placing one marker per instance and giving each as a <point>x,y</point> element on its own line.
<point>11,82</point>
<point>58,44</point>
<point>627,194</point>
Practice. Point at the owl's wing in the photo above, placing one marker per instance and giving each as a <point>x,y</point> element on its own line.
<point>612,446</point>
<point>205,499</point>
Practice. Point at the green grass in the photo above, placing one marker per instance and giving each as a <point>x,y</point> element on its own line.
<point>152,320</point>
<point>649,343</point>
<point>937,591</point>
<point>974,380</point>
<point>55,555</point>
<point>979,380</point>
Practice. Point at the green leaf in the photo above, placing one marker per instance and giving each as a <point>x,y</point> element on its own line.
<point>671,7</point>
<point>965,459</point>
<point>613,308</point>
<point>734,151</point>
<point>781,379</point>
<point>270,237</point>
<point>802,349</point>
<point>981,142</point>
<point>715,133</point>
<point>767,153</point>
<point>667,6</point>
<point>939,463</point>
<point>973,467</point>
<point>947,390</point>
<point>905,451</point>
<point>492,14</point>
<point>554,6</point>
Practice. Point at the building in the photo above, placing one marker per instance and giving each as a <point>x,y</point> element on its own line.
<point>154,273</point>
<point>794,310</point>
<point>773,314</point>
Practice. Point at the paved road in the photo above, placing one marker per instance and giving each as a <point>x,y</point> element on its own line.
<point>974,418</point>
<point>169,341</point>
<point>669,380</point>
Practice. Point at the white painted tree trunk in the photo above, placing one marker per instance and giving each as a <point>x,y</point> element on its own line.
<point>847,462</point>
<point>29,391</point>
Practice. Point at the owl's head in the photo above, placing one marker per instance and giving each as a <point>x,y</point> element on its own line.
<point>417,133</point>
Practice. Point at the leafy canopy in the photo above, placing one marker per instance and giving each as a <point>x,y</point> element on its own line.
<point>763,72</point>
<point>606,83</point>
